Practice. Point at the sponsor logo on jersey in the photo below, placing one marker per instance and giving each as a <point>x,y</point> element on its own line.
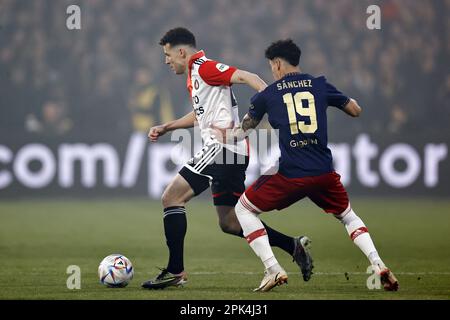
<point>222,67</point>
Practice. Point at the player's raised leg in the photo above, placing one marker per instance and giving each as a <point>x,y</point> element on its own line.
<point>174,198</point>
<point>360,236</point>
<point>332,197</point>
<point>257,238</point>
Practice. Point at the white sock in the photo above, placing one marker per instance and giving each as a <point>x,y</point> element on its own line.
<point>359,234</point>
<point>255,234</point>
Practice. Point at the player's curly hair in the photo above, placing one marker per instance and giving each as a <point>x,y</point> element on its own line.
<point>284,49</point>
<point>178,36</point>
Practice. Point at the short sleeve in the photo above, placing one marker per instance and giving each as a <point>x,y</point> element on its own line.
<point>335,98</point>
<point>258,106</point>
<point>216,74</point>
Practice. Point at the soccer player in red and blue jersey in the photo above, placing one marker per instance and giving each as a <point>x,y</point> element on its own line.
<point>296,105</point>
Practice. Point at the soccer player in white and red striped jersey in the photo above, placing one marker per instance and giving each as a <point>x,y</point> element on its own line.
<point>209,84</point>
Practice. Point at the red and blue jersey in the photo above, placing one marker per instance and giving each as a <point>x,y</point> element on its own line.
<point>296,105</point>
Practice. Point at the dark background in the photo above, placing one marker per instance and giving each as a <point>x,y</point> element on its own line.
<point>108,80</point>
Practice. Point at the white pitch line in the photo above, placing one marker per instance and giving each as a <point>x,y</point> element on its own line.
<point>203,273</point>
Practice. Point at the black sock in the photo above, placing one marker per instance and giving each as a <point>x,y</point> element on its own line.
<point>277,239</point>
<point>280,240</point>
<point>175,226</point>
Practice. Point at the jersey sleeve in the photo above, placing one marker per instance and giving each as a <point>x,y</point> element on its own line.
<point>335,98</point>
<point>215,73</point>
<point>258,106</point>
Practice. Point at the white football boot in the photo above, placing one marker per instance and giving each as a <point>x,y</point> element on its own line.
<point>272,280</point>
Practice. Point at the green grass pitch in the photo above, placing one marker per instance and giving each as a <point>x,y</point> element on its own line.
<point>40,239</point>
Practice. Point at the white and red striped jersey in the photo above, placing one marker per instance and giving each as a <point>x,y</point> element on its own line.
<point>213,100</point>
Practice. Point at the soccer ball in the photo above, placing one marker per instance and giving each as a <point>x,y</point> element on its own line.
<point>115,271</point>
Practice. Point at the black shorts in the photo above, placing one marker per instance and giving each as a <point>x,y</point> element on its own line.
<point>219,168</point>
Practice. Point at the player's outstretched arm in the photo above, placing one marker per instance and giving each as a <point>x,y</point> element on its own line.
<point>352,108</point>
<point>251,79</point>
<point>188,121</point>
<point>242,131</point>
<point>238,133</point>
<point>248,123</point>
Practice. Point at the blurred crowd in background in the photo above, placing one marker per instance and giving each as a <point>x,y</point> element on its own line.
<point>109,79</point>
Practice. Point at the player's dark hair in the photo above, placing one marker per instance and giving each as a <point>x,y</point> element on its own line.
<point>284,49</point>
<point>178,36</point>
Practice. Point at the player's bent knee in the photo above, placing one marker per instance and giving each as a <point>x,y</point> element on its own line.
<point>177,193</point>
<point>169,199</point>
<point>165,199</point>
<point>240,209</point>
<point>230,228</point>
<point>341,215</point>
